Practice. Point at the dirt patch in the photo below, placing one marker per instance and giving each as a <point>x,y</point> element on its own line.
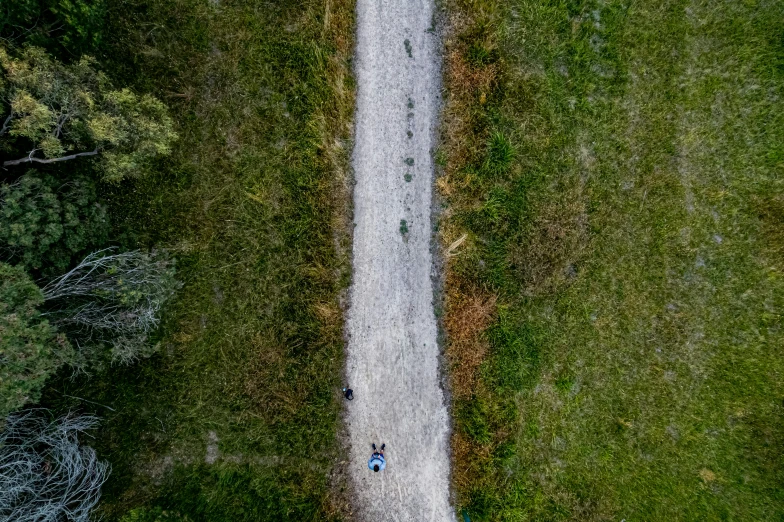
<point>213,454</point>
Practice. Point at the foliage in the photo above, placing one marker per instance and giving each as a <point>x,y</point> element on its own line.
<point>30,348</point>
<point>252,202</point>
<point>45,474</point>
<point>44,221</point>
<point>67,111</point>
<point>69,27</point>
<point>627,226</point>
<point>113,300</point>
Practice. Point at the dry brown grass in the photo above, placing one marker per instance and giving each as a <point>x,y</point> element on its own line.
<point>468,313</point>
<point>465,456</point>
<point>771,213</point>
<point>468,88</point>
<point>468,310</point>
<point>270,393</point>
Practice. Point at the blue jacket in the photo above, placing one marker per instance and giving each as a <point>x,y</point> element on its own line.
<point>377,459</point>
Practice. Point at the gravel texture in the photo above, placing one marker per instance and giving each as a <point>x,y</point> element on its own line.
<point>393,353</point>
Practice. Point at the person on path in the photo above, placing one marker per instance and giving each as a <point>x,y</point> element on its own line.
<point>377,461</point>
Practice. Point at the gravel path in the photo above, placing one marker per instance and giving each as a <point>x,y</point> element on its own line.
<point>392,350</point>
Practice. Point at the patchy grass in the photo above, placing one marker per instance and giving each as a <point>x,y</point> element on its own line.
<point>613,313</point>
<point>236,417</point>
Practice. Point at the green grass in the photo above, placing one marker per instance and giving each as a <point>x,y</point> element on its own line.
<point>236,417</point>
<point>618,170</point>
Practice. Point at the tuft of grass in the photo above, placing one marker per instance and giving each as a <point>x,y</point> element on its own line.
<point>479,55</point>
<point>500,155</point>
<point>409,162</point>
<point>403,227</point>
<point>236,418</point>
<point>408,177</point>
<point>407,44</point>
<point>616,170</point>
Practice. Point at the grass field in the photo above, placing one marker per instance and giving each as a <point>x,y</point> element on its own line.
<point>614,313</point>
<point>236,417</point>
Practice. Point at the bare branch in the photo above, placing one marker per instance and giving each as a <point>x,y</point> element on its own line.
<point>61,120</point>
<point>114,299</point>
<point>5,124</point>
<point>44,473</point>
<point>31,159</point>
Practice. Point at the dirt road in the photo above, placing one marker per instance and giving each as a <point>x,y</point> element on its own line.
<point>392,351</point>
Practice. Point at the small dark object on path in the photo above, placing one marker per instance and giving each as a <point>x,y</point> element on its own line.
<point>348,393</point>
<point>377,461</point>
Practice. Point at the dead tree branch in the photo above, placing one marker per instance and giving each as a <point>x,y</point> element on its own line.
<point>44,473</point>
<point>31,159</point>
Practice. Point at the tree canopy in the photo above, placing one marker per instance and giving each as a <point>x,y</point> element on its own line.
<point>44,221</point>
<point>56,112</point>
<point>30,348</point>
<point>67,27</point>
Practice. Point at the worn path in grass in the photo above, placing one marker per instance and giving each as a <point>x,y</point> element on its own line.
<point>392,350</point>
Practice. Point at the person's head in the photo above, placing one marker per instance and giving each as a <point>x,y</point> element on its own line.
<point>375,468</point>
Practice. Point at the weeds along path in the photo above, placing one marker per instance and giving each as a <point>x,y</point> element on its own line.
<point>392,350</point>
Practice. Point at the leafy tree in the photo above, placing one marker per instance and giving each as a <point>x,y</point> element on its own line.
<point>113,300</point>
<point>67,26</point>
<point>45,474</point>
<point>59,112</point>
<point>44,222</point>
<point>30,349</point>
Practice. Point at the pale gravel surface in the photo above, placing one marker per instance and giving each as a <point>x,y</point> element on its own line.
<point>393,354</point>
